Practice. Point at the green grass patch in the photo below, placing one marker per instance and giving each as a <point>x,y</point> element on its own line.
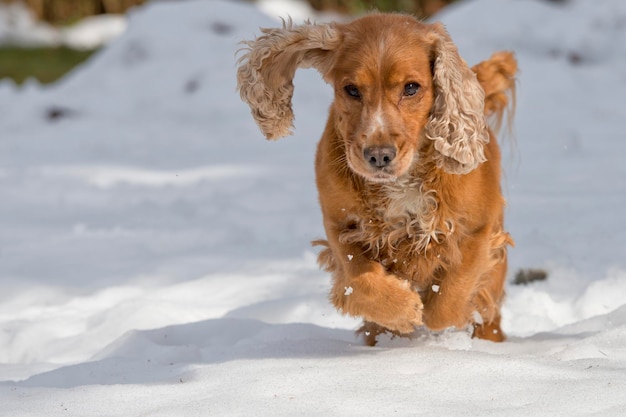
<point>45,64</point>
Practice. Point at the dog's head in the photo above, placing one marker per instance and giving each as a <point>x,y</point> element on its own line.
<point>400,86</point>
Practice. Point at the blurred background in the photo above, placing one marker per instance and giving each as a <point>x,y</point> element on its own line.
<point>44,39</point>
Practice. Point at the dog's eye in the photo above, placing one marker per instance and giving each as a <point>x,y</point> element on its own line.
<point>411,89</point>
<point>352,91</point>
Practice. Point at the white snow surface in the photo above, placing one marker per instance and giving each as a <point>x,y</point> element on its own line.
<point>155,258</point>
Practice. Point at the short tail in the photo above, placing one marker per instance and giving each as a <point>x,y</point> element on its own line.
<point>497,77</point>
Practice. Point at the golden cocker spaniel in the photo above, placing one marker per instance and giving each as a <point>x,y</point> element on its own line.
<point>408,169</point>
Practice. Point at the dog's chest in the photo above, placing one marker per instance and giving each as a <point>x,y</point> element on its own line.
<point>400,226</point>
<point>405,202</point>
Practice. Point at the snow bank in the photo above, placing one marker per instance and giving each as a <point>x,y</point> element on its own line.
<point>19,27</point>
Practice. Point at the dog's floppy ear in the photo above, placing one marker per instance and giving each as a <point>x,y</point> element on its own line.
<point>266,70</point>
<point>457,123</point>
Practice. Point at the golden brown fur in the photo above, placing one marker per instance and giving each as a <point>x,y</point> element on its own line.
<point>407,169</point>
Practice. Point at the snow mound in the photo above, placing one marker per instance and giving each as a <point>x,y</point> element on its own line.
<point>18,27</point>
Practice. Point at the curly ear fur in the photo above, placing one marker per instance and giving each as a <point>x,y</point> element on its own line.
<point>457,123</point>
<point>266,70</point>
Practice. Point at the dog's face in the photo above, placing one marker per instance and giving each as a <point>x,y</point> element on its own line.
<point>383,95</point>
<point>399,84</point>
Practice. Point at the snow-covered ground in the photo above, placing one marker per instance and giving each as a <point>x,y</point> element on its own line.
<point>19,27</point>
<point>154,255</point>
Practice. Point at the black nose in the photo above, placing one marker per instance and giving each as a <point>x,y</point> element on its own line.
<point>379,156</point>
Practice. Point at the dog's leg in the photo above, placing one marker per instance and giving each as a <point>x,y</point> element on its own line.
<point>489,298</point>
<point>487,303</point>
<point>471,293</point>
<point>363,288</point>
<point>452,305</point>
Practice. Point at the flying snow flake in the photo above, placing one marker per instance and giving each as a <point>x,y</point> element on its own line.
<point>348,290</point>
<point>350,257</point>
<point>478,319</point>
<point>435,288</point>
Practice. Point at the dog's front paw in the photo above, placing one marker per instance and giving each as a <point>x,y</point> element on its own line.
<point>400,314</point>
<point>382,299</point>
